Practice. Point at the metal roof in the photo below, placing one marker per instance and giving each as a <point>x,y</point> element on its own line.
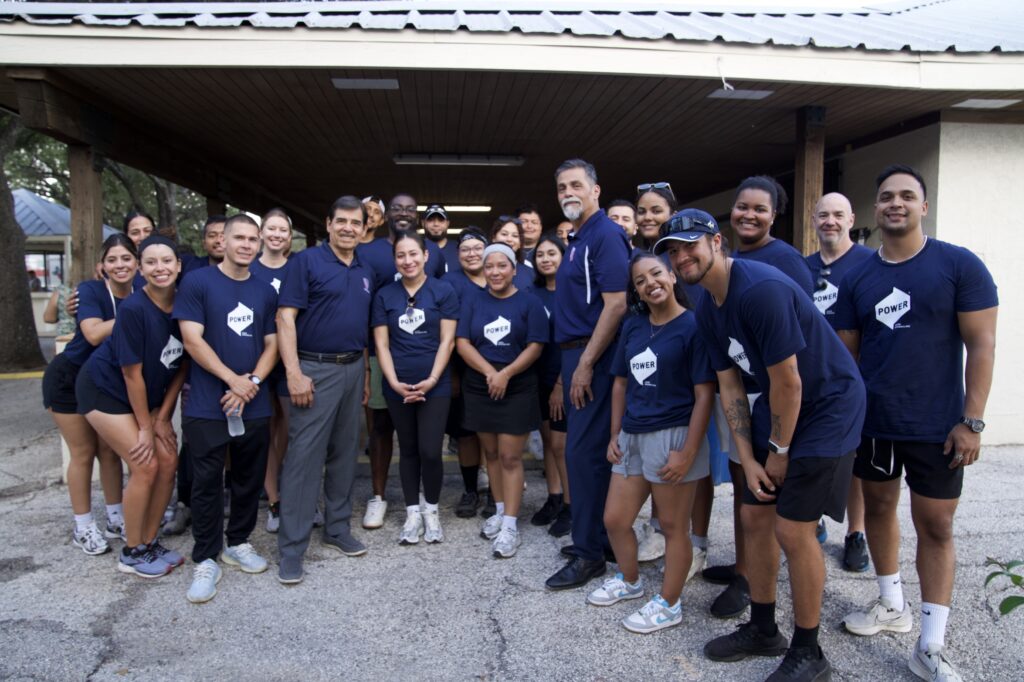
<point>40,217</point>
<point>914,25</point>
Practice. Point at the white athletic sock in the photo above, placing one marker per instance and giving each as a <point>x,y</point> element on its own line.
<point>509,522</point>
<point>115,511</point>
<point>891,589</point>
<point>699,541</point>
<point>412,509</point>
<point>431,507</point>
<point>83,521</point>
<point>933,625</point>
<point>500,508</point>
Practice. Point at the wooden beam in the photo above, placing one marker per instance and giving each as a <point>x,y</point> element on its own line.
<point>86,211</point>
<point>809,176</point>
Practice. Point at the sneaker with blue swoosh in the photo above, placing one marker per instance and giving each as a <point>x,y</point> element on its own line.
<point>655,615</point>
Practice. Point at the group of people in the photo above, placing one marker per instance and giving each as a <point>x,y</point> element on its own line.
<point>642,346</point>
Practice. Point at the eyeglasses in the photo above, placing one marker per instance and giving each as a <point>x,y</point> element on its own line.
<point>685,223</point>
<point>822,283</point>
<point>467,250</point>
<point>410,306</point>
<point>648,186</point>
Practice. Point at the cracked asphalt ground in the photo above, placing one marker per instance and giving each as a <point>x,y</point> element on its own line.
<point>447,612</point>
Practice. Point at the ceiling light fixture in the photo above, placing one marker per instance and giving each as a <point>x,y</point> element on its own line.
<point>986,103</point>
<point>459,209</point>
<point>365,83</point>
<point>735,93</point>
<point>457,160</point>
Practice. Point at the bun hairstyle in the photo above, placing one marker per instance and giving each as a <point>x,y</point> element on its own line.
<point>767,184</point>
<point>634,302</point>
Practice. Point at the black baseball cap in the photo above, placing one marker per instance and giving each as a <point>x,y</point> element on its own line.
<point>435,209</point>
<point>687,225</point>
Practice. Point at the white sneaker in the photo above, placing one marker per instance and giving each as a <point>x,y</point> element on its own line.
<point>244,556</point>
<point>482,480</point>
<point>880,616</point>
<point>115,528</point>
<point>505,543</point>
<point>412,530</point>
<point>700,560</point>
<point>650,544</point>
<point>432,523</point>
<point>653,616</point>
<point>204,582</point>
<point>614,590</point>
<point>90,540</point>
<point>932,664</point>
<point>375,509</point>
<point>491,527</point>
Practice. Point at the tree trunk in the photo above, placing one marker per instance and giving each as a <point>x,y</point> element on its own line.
<point>19,341</point>
<point>115,168</point>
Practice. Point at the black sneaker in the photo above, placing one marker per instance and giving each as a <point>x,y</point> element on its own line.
<point>803,664</point>
<point>549,512</point>
<point>745,640</point>
<point>719,575</point>
<point>733,601</point>
<point>855,554</point>
<point>563,523</point>
<point>466,508</point>
<point>490,509</point>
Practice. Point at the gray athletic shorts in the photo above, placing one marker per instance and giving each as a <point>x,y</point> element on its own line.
<point>647,453</point>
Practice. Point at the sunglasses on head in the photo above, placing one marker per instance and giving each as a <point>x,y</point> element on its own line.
<point>822,283</point>
<point>685,223</point>
<point>648,186</point>
<point>410,306</point>
<point>509,219</point>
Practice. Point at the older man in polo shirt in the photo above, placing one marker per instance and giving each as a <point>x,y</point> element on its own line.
<point>590,300</point>
<point>323,320</point>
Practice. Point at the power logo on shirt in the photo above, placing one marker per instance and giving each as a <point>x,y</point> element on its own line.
<point>824,299</point>
<point>240,319</point>
<point>171,353</point>
<point>643,365</point>
<point>890,309</point>
<point>739,355</point>
<point>497,330</point>
<point>410,323</point>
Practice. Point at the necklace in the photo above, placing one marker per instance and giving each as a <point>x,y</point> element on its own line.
<point>893,262</point>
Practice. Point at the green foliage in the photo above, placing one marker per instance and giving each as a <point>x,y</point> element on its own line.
<point>1005,570</point>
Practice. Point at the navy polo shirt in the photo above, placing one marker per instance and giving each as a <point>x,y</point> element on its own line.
<point>549,367</point>
<point>414,339</point>
<point>911,351</point>
<point>596,262</point>
<point>143,334</point>
<point>784,257</point>
<point>661,365</point>
<point>94,301</point>
<point>826,287</point>
<point>379,256</point>
<point>236,316</point>
<point>501,328</point>
<point>767,318</point>
<point>272,276</point>
<point>333,300</point>
<point>450,253</point>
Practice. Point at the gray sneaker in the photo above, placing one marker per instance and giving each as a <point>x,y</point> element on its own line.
<point>506,543</point>
<point>289,572</point>
<point>115,529</point>
<point>491,527</point>
<point>344,543</point>
<point>614,590</point>
<point>177,524</point>
<point>244,556</point>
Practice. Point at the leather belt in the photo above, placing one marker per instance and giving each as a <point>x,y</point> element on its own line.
<point>331,358</point>
<point>575,343</point>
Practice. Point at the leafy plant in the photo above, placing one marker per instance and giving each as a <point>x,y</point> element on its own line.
<point>1005,570</point>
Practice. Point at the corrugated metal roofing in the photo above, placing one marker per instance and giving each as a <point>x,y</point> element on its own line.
<point>39,217</point>
<point>919,26</point>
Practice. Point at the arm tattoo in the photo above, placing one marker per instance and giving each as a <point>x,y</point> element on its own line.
<point>776,427</point>
<point>738,416</point>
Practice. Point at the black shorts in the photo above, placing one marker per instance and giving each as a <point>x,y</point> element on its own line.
<point>813,487</point>
<point>545,409</point>
<point>928,472</point>
<point>453,427</point>
<point>59,386</point>
<point>90,398</point>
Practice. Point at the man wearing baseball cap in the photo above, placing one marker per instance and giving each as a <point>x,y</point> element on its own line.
<point>756,320</point>
<point>435,228</point>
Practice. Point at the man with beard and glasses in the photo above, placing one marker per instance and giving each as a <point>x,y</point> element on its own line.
<point>590,300</point>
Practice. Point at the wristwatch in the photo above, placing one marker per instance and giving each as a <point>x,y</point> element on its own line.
<point>975,425</point>
<point>776,448</point>
<point>255,379</point>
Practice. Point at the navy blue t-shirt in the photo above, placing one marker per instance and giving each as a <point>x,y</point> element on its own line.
<point>911,351</point>
<point>596,262</point>
<point>236,316</point>
<point>142,334</point>
<point>273,276</point>
<point>94,301</point>
<point>549,367</point>
<point>661,366</point>
<point>379,256</point>
<point>450,253</point>
<point>462,284</point>
<point>825,297</point>
<point>523,279</point>
<point>501,328</point>
<point>765,319</point>
<point>414,340</point>
<point>786,258</point>
<point>333,300</point>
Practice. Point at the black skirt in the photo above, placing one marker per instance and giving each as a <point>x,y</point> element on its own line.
<point>517,413</point>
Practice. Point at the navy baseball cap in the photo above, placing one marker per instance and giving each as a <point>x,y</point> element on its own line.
<point>687,225</point>
<point>435,209</point>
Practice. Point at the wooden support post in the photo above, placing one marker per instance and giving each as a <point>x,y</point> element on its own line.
<point>809,180</point>
<point>86,211</point>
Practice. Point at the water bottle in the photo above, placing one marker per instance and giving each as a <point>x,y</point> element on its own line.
<point>236,427</point>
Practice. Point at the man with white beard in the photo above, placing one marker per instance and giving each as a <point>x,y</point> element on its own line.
<point>590,300</point>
